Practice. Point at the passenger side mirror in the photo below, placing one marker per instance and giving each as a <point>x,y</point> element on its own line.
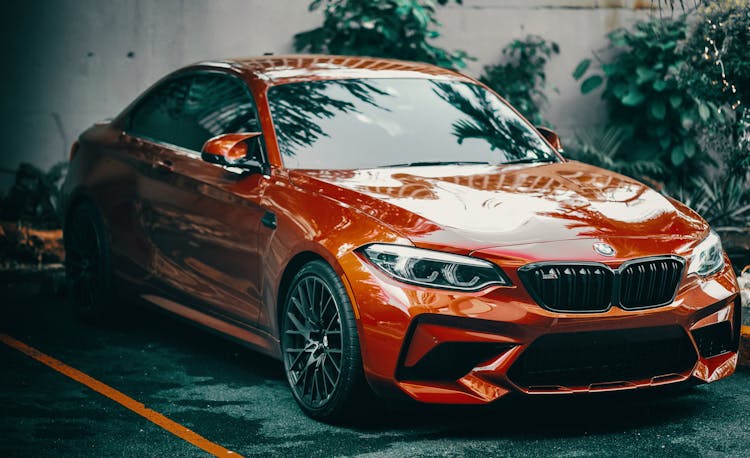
<point>234,150</point>
<point>551,136</point>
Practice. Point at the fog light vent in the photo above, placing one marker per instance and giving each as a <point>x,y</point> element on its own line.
<point>450,361</point>
<point>715,339</point>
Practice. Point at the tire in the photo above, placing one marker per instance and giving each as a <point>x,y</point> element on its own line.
<point>319,338</point>
<point>88,268</point>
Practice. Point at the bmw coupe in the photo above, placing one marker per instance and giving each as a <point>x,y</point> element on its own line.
<point>391,227</point>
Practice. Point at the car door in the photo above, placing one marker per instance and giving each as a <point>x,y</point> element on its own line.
<point>134,152</point>
<point>201,218</point>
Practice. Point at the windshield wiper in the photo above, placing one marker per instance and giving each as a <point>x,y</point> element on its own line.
<point>428,163</point>
<point>528,160</point>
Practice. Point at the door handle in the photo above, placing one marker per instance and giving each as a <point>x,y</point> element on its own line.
<point>130,140</point>
<point>163,166</point>
<point>269,220</point>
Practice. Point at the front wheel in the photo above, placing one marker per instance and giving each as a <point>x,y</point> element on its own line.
<point>320,345</point>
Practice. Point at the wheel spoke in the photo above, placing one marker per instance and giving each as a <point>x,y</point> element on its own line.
<point>334,319</point>
<point>300,306</point>
<point>304,371</point>
<point>302,297</point>
<point>326,374</point>
<point>335,366</point>
<point>310,299</point>
<point>323,298</point>
<point>323,310</point>
<point>302,329</point>
<point>299,356</point>
<point>314,301</point>
<point>323,384</point>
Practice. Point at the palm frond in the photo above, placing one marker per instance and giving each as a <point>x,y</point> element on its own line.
<point>724,203</point>
<point>603,147</point>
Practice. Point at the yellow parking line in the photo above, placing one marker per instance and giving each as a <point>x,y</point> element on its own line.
<point>122,399</point>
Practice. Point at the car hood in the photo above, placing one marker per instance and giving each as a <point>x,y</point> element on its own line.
<point>477,206</point>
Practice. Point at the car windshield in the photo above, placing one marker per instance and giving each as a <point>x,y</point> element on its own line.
<point>368,123</point>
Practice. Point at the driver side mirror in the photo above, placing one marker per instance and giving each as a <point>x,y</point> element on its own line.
<point>551,136</point>
<point>234,150</point>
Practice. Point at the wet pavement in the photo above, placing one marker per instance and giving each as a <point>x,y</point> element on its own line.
<point>239,400</point>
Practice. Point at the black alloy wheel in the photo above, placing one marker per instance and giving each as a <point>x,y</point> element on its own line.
<point>320,344</point>
<point>87,265</point>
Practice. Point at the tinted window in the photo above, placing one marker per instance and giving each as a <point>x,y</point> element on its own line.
<point>190,110</point>
<point>160,116</point>
<point>351,124</point>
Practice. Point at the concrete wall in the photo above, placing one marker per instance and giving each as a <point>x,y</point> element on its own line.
<point>69,63</point>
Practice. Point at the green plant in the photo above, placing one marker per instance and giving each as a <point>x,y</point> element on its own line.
<point>400,29</point>
<point>716,69</point>
<point>724,202</point>
<point>646,99</point>
<point>681,87</point>
<point>603,147</point>
<point>520,78</point>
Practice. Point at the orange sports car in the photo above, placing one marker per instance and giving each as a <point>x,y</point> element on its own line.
<point>393,227</point>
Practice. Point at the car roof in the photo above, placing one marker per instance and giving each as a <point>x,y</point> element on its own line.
<point>282,69</point>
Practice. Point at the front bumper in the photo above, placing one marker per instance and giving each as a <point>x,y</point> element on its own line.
<point>473,348</point>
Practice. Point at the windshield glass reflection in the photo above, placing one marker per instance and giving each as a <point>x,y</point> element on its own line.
<point>368,123</point>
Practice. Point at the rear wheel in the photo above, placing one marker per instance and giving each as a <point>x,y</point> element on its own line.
<point>87,265</point>
<point>320,345</point>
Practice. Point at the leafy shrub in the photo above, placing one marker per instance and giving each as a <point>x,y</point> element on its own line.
<point>680,88</point>
<point>644,96</point>
<point>400,29</point>
<point>716,69</point>
<point>520,78</point>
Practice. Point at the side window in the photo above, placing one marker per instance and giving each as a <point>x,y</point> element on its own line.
<point>161,115</point>
<point>188,111</point>
<point>218,105</point>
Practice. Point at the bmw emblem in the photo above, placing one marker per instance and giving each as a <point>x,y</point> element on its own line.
<point>604,249</point>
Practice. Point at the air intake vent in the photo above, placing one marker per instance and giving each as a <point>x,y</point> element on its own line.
<point>715,339</point>
<point>451,360</point>
<point>584,358</point>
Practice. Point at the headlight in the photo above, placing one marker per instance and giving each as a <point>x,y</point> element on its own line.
<point>435,269</point>
<point>708,256</point>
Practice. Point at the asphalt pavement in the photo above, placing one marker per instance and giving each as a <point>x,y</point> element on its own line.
<point>238,399</point>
